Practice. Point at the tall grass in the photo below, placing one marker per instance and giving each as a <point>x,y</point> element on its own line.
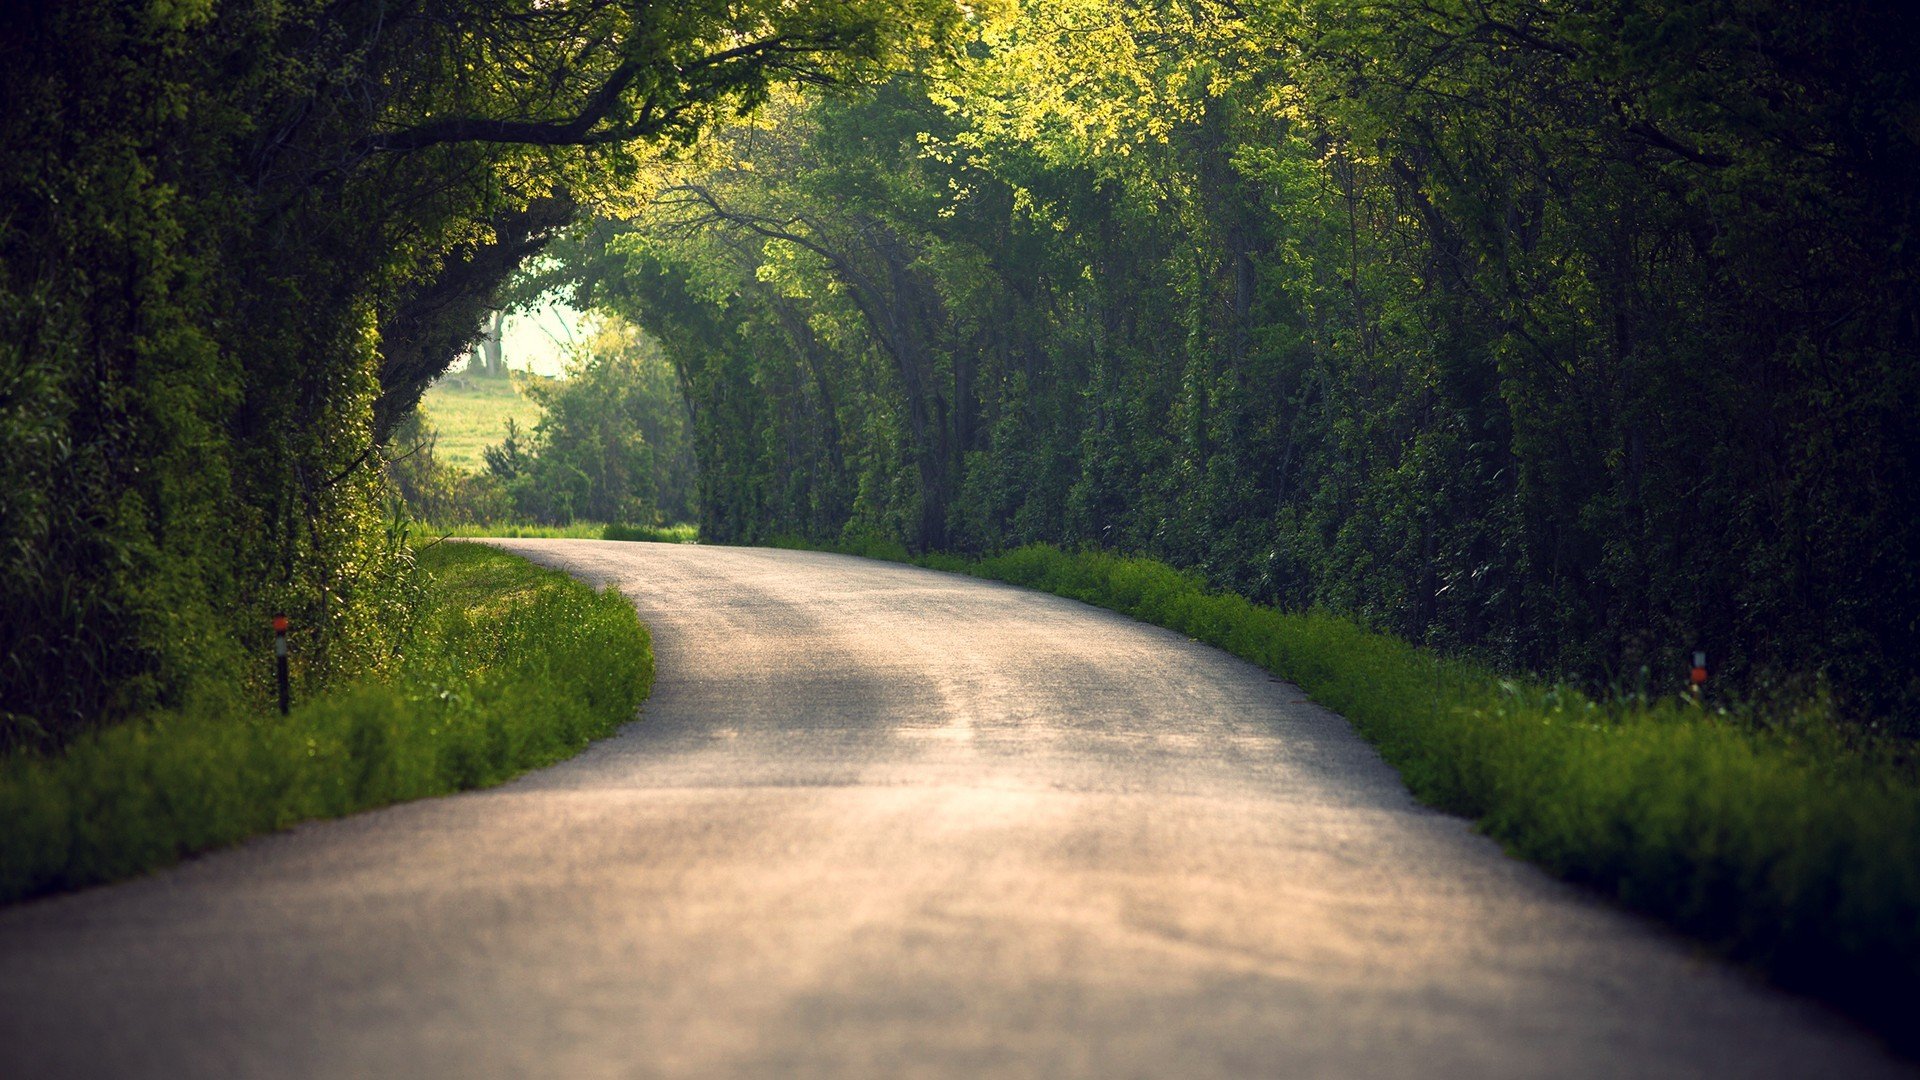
<point>683,533</point>
<point>579,530</point>
<point>1772,842</point>
<point>509,667</point>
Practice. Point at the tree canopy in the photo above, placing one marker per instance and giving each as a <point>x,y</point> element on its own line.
<point>1578,335</point>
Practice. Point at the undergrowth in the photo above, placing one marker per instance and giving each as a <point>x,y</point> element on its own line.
<point>508,667</point>
<point>684,533</point>
<point>1771,841</point>
<point>659,534</point>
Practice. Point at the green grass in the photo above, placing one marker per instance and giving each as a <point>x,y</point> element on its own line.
<point>579,530</point>
<point>470,414</point>
<point>683,533</point>
<point>1769,840</point>
<point>510,667</point>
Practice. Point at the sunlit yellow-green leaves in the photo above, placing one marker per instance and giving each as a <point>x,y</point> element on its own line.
<point>1082,80</point>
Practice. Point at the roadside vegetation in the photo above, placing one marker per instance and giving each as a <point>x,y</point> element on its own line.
<point>1757,832</point>
<point>683,533</point>
<point>505,667</point>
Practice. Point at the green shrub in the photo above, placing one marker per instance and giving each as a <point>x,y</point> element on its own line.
<point>509,668</point>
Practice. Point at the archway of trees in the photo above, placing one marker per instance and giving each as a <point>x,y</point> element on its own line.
<point>1576,335</point>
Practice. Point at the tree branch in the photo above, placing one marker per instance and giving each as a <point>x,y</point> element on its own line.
<point>725,71</point>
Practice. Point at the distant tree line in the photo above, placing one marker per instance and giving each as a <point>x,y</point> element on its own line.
<point>1576,335</point>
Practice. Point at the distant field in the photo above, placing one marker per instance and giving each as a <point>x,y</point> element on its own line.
<point>471,415</point>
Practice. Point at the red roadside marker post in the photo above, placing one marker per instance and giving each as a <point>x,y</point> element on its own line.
<point>280,658</point>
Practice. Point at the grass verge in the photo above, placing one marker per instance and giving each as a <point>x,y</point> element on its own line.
<point>511,667</point>
<point>1777,846</point>
<point>684,533</point>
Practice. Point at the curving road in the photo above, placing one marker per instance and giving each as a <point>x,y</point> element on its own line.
<point>878,821</point>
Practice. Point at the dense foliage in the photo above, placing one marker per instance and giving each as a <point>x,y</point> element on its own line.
<point>1578,335</point>
<point>508,667</point>
<point>237,240</point>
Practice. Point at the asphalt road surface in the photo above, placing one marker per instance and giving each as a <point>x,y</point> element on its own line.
<point>879,821</point>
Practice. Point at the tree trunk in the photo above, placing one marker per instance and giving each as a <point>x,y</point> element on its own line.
<point>492,350</point>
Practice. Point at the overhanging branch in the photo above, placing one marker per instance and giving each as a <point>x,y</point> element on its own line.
<point>705,80</point>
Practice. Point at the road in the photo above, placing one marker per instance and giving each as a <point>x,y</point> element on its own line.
<point>879,821</point>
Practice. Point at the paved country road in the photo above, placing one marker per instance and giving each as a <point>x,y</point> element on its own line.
<point>878,821</point>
